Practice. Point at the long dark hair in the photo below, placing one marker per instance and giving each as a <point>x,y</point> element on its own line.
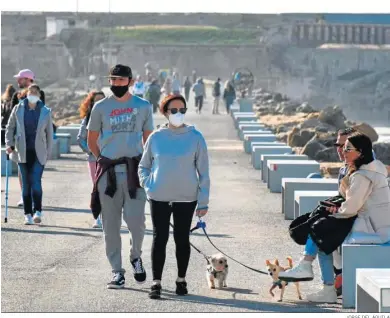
<point>363,144</point>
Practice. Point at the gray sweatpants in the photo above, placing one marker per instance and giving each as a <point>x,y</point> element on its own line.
<point>133,214</point>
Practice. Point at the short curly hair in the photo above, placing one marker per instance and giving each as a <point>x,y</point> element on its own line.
<point>168,99</point>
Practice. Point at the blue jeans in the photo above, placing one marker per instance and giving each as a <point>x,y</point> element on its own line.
<point>325,261</point>
<point>31,173</point>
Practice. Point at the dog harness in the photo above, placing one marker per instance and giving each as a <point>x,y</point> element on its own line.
<point>279,284</point>
<point>213,272</point>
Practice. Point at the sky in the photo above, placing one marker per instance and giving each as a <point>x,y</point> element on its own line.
<point>241,6</point>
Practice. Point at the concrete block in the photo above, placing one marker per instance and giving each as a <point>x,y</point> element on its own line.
<point>372,290</point>
<point>250,138</point>
<point>245,119</point>
<point>4,166</point>
<point>245,128</point>
<point>72,130</point>
<point>64,142</point>
<point>55,153</point>
<point>264,159</point>
<point>278,169</point>
<point>257,151</point>
<point>361,256</point>
<point>290,185</point>
<point>246,104</point>
<point>307,201</point>
<point>235,108</point>
<point>242,116</point>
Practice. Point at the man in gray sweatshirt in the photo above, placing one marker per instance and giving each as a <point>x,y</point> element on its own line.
<point>122,122</point>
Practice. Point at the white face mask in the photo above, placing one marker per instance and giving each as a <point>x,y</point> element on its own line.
<point>176,119</point>
<point>33,99</point>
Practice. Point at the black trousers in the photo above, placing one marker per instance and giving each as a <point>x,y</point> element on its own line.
<point>199,102</point>
<point>183,213</point>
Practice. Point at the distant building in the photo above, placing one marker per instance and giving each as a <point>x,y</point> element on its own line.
<point>56,25</point>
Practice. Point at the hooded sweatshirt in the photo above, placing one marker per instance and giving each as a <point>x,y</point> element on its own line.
<point>368,197</point>
<point>199,88</point>
<point>175,166</point>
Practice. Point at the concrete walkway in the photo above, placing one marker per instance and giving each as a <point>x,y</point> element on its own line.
<point>61,265</point>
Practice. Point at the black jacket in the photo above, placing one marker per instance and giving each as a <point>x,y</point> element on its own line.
<point>326,231</point>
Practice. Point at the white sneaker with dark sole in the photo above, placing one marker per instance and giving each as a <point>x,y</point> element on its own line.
<point>326,295</point>
<point>37,217</point>
<point>28,220</point>
<point>97,224</point>
<point>20,203</point>
<point>300,273</point>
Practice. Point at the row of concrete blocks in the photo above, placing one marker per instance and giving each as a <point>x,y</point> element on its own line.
<point>64,138</point>
<point>287,173</point>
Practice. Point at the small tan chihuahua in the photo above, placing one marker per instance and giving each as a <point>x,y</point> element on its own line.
<point>274,270</point>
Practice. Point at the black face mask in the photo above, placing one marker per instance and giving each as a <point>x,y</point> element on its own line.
<point>119,91</point>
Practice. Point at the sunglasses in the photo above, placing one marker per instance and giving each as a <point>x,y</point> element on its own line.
<point>350,149</point>
<point>175,110</point>
<point>339,145</point>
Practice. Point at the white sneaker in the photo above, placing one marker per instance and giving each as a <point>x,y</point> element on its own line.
<point>326,295</point>
<point>28,220</point>
<point>20,203</point>
<point>97,224</point>
<point>38,217</point>
<point>300,273</point>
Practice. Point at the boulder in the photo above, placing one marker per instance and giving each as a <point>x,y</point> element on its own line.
<point>286,108</point>
<point>305,108</point>
<point>282,137</point>
<point>333,116</point>
<point>306,135</point>
<point>321,129</point>
<point>299,138</point>
<point>328,155</point>
<point>311,123</point>
<point>312,148</point>
<point>278,97</point>
<point>382,152</point>
<point>281,129</point>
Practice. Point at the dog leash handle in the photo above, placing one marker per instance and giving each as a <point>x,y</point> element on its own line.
<point>201,224</point>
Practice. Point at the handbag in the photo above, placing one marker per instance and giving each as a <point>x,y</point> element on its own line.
<point>299,228</point>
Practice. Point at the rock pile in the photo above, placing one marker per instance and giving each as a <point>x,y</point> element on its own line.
<point>309,131</point>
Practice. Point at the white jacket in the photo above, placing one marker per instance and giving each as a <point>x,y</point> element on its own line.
<point>368,197</point>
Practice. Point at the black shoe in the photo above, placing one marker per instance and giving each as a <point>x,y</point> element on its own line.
<point>155,291</point>
<point>181,288</point>
<point>139,271</point>
<point>118,281</point>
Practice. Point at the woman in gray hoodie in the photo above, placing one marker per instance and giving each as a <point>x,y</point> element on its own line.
<point>174,171</point>
<point>85,113</point>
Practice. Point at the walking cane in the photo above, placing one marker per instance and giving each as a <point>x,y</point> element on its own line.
<point>6,189</point>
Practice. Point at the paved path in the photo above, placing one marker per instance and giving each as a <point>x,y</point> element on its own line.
<point>61,265</point>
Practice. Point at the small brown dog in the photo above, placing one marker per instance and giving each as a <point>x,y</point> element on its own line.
<point>274,270</point>
<point>217,269</point>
